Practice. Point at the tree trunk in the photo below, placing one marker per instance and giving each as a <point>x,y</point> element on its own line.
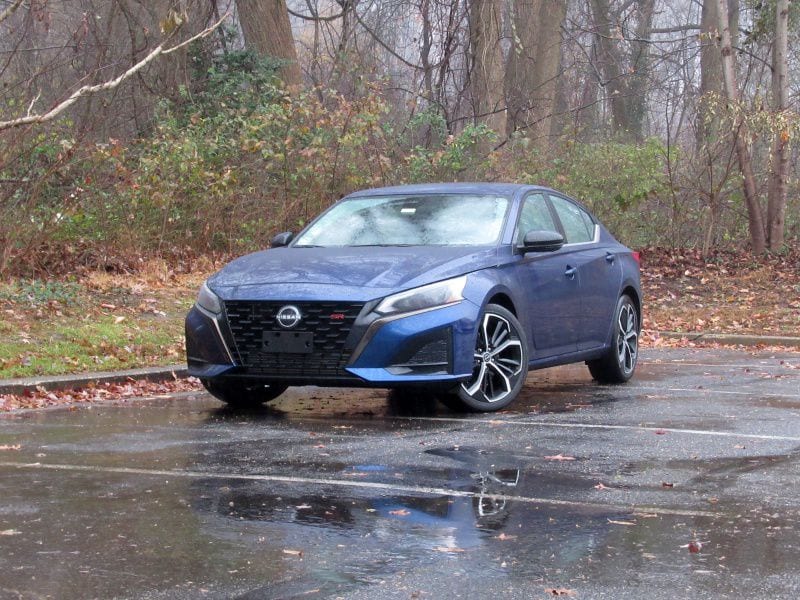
<point>640,67</point>
<point>267,31</point>
<point>755,218</point>
<point>519,81</point>
<point>533,66</point>
<point>776,204</point>
<point>711,76</point>
<point>714,145</point>
<point>486,74</point>
<point>609,64</point>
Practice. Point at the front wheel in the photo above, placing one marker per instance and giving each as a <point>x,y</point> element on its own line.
<point>619,362</point>
<point>500,364</point>
<point>243,393</point>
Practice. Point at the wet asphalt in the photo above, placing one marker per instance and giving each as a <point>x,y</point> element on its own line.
<point>681,484</point>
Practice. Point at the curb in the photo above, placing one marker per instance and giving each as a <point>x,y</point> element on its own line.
<point>82,380</point>
<point>731,339</point>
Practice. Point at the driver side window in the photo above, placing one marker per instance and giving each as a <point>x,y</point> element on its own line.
<point>534,216</point>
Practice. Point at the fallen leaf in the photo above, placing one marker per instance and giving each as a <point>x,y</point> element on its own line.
<point>626,523</point>
<point>694,546</point>
<point>10,532</point>
<point>560,592</point>
<point>503,536</point>
<point>448,549</point>
<point>400,512</point>
<point>559,457</point>
<point>8,447</point>
<point>660,432</point>
<point>600,486</point>
<point>293,552</point>
<point>666,484</point>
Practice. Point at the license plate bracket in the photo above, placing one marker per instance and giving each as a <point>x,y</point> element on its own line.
<point>288,342</point>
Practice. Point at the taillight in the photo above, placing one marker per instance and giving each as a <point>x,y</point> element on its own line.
<point>637,257</point>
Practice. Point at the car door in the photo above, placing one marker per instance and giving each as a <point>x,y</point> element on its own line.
<point>550,284</point>
<point>599,271</point>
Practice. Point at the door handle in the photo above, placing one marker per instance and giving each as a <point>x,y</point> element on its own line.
<point>610,257</point>
<point>570,272</point>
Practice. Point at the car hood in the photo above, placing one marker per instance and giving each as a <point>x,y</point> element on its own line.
<point>366,272</point>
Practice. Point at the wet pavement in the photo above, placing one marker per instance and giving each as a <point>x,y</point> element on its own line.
<point>681,484</point>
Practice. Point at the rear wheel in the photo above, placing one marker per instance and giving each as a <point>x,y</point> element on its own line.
<point>500,364</point>
<point>243,393</point>
<point>619,362</point>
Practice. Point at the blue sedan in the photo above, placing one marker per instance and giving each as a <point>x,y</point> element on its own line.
<point>459,289</point>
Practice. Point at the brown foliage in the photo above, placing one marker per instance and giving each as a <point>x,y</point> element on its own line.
<point>724,291</point>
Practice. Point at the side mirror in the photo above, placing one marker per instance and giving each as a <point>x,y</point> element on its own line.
<point>542,241</point>
<point>281,240</point>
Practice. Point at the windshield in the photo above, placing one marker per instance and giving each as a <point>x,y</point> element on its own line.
<point>437,220</point>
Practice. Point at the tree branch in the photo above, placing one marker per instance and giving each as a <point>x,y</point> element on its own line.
<point>315,17</point>
<point>383,44</point>
<point>108,85</point>
<point>10,10</point>
<point>676,29</point>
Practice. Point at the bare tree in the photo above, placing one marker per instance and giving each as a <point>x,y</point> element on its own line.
<point>714,146</point>
<point>755,218</point>
<point>161,50</point>
<point>776,204</point>
<point>623,61</point>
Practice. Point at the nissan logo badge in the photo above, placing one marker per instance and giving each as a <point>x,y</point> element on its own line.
<point>288,316</point>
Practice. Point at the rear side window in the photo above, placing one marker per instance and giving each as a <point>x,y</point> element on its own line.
<point>535,216</point>
<point>578,224</point>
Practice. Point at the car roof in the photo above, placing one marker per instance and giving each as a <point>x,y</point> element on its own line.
<point>499,189</point>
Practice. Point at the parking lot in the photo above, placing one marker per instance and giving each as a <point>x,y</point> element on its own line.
<point>681,484</point>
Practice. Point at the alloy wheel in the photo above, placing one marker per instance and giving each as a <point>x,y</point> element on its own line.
<point>627,338</point>
<point>498,360</point>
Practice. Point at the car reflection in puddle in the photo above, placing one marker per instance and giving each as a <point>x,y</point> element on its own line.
<point>461,517</point>
<point>462,521</point>
<point>352,534</point>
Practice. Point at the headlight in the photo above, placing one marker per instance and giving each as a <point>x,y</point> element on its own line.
<point>428,296</point>
<point>208,300</point>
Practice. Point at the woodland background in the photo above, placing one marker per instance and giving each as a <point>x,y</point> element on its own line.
<point>179,130</point>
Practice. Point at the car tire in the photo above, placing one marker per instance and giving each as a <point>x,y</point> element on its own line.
<point>500,364</point>
<point>241,393</point>
<point>618,364</point>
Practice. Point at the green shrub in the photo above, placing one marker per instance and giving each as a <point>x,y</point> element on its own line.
<point>617,181</point>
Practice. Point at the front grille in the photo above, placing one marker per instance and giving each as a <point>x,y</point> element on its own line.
<point>330,322</point>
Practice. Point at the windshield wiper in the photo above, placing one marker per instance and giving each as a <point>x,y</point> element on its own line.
<point>382,245</point>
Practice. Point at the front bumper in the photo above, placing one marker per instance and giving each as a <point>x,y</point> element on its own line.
<point>433,346</point>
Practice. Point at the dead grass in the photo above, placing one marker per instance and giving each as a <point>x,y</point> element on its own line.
<point>104,322</point>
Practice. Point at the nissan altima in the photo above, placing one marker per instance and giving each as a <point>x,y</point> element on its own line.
<point>459,289</point>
